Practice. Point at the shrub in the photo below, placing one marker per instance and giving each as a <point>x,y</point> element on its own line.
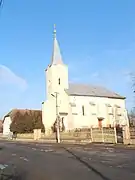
<point>27,121</point>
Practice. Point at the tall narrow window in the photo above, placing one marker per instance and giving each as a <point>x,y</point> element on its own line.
<point>83,110</point>
<point>74,109</point>
<point>59,81</point>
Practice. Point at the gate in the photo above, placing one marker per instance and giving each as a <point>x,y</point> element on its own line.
<point>119,133</point>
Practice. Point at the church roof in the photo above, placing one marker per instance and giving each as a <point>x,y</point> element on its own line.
<point>91,90</point>
<point>56,54</point>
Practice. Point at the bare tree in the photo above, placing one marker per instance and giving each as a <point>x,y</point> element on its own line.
<point>133,81</point>
<point>131,114</point>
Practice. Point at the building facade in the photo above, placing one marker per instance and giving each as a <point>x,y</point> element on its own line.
<point>78,105</point>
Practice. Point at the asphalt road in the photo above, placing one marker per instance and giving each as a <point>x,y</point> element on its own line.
<point>31,161</point>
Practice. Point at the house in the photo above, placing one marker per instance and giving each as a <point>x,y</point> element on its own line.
<point>1,126</point>
<point>17,114</point>
<point>78,105</point>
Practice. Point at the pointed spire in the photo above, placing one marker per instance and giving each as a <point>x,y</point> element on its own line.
<point>56,55</point>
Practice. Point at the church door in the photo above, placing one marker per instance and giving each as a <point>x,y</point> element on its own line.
<point>100,123</point>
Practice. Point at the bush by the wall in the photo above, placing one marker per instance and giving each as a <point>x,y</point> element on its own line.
<point>26,121</point>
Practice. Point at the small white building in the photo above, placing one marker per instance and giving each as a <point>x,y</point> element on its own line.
<point>78,105</point>
<point>6,124</point>
<point>1,126</point>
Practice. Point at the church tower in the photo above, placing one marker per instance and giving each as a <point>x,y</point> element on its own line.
<point>56,72</point>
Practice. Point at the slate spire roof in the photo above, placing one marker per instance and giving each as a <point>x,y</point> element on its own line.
<point>56,54</point>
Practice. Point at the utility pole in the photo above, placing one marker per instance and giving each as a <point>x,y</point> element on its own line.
<point>57,119</point>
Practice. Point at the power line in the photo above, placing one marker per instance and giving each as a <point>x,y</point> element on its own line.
<point>1,3</point>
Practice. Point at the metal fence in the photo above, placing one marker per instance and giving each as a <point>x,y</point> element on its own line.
<point>106,135</point>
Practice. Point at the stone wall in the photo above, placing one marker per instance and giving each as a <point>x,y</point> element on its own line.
<point>103,135</point>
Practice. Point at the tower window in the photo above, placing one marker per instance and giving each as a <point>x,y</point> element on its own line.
<point>83,110</point>
<point>59,81</point>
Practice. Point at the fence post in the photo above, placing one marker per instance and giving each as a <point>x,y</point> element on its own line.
<point>102,135</point>
<point>91,135</point>
<point>126,135</point>
<point>115,134</point>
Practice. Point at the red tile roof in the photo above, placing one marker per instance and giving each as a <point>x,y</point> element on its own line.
<point>13,113</point>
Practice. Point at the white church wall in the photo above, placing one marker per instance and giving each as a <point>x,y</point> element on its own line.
<point>57,81</point>
<point>63,102</point>
<point>48,113</point>
<point>59,72</point>
<point>94,107</point>
<point>56,78</point>
<point>48,82</point>
<point>70,118</point>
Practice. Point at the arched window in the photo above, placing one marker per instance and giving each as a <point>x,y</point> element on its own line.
<point>59,81</point>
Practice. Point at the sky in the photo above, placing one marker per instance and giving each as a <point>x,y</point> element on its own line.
<point>97,41</point>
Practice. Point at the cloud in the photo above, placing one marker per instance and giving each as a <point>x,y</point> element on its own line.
<point>8,77</point>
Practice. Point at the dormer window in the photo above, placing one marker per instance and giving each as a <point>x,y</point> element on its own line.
<point>59,81</point>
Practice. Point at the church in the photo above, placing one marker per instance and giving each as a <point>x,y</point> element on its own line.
<point>78,105</point>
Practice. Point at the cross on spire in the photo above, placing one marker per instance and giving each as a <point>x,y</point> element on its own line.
<point>54,31</point>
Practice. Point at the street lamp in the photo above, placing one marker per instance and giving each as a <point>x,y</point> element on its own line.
<point>57,118</point>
